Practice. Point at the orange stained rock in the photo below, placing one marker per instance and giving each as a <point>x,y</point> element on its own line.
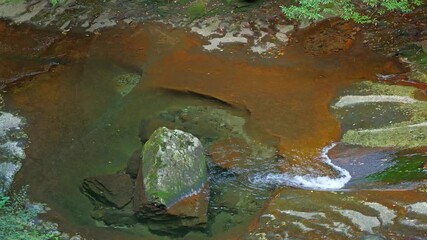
<point>288,99</point>
<point>195,205</point>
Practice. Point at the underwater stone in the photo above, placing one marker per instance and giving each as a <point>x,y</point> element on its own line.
<point>132,167</point>
<point>115,190</point>
<point>119,217</point>
<point>173,167</point>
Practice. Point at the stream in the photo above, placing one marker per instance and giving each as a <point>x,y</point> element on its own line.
<point>277,168</point>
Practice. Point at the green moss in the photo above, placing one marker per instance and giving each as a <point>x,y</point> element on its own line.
<point>406,168</point>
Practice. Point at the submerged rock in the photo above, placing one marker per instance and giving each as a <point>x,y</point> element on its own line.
<point>230,152</point>
<point>119,217</point>
<point>115,190</point>
<point>134,163</point>
<point>362,214</point>
<point>211,124</point>
<point>174,167</point>
<point>125,83</point>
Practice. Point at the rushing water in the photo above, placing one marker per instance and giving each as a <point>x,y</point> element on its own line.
<point>84,119</point>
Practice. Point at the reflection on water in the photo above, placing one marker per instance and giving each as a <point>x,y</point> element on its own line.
<point>85,116</point>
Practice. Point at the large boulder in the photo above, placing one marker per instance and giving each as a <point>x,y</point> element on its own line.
<point>174,167</point>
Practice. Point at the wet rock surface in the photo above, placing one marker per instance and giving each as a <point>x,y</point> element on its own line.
<point>361,162</point>
<point>339,215</point>
<point>381,115</point>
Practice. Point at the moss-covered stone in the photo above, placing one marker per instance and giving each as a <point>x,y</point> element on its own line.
<point>409,136</point>
<point>174,166</point>
<point>375,121</point>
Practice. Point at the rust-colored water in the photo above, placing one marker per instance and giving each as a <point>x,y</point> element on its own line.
<point>287,97</point>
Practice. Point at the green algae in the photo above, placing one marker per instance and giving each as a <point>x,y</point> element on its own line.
<point>406,168</point>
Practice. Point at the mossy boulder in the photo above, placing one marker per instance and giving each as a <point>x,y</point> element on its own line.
<point>174,167</point>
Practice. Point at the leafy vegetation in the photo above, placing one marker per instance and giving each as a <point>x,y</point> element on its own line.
<point>18,221</point>
<point>362,11</point>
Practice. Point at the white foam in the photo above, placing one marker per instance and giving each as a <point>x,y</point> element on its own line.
<point>307,181</point>
<point>13,149</point>
<point>8,121</point>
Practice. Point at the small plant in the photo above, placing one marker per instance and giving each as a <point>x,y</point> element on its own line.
<point>19,222</point>
<point>362,11</point>
<point>196,9</point>
<point>54,2</point>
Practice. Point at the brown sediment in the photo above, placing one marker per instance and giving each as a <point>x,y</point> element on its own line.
<point>289,99</point>
<point>230,152</point>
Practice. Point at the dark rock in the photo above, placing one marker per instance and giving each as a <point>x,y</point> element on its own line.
<point>139,199</point>
<point>115,190</point>
<point>133,164</point>
<point>119,217</point>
